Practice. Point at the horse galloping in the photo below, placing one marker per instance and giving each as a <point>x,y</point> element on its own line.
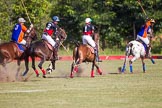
<point>137,50</point>
<point>83,53</point>
<point>9,51</point>
<point>42,50</point>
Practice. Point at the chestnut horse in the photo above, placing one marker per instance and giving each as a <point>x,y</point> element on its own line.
<point>9,51</point>
<point>83,53</point>
<point>41,50</point>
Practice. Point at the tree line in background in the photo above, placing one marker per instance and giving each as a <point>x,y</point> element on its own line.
<point>117,21</point>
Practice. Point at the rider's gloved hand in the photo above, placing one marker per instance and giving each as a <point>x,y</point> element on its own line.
<point>31,25</point>
<point>57,39</point>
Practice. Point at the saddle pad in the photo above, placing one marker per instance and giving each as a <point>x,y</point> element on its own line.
<point>20,47</point>
<point>48,45</point>
<point>92,50</point>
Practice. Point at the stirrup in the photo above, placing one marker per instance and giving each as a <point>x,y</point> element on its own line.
<point>99,60</point>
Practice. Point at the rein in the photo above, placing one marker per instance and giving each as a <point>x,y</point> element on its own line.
<point>60,34</point>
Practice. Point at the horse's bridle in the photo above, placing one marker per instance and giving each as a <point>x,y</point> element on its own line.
<point>29,37</point>
<point>59,35</point>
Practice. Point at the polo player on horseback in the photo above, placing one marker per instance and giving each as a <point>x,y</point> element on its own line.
<point>51,29</point>
<point>88,31</point>
<point>145,33</point>
<point>19,31</point>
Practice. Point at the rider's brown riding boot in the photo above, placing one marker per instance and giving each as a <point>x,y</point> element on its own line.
<point>97,56</point>
<point>99,60</point>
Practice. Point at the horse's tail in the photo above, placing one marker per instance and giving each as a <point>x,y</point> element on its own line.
<point>77,43</point>
<point>127,54</point>
<point>128,49</point>
<point>1,58</point>
<point>75,53</point>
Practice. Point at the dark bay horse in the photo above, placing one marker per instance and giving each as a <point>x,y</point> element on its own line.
<point>41,50</point>
<point>96,38</point>
<point>9,51</point>
<point>83,53</point>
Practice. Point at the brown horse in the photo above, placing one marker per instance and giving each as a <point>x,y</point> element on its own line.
<point>83,53</point>
<point>41,50</point>
<point>9,51</point>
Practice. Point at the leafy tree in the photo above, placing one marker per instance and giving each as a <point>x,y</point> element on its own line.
<point>117,21</point>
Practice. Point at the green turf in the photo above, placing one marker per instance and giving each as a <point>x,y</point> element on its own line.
<point>111,90</point>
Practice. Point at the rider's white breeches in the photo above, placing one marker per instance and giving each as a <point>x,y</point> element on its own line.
<point>145,40</point>
<point>86,39</point>
<point>23,42</point>
<point>49,39</point>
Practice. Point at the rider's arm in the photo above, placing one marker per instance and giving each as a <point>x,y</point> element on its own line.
<point>24,29</point>
<point>31,26</point>
<point>150,32</point>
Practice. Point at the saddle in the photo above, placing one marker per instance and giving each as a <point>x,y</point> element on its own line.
<point>144,45</point>
<point>50,47</point>
<point>48,44</point>
<point>21,47</point>
<point>91,49</point>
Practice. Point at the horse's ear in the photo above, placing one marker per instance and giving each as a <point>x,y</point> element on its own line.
<point>62,27</point>
<point>96,29</point>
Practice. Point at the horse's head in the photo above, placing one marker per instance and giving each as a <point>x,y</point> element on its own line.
<point>96,37</point>
<point>29,37</point>
<point>61,34</point>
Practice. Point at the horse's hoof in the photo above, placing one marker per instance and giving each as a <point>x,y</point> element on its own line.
<point>119,69</point>
<point>99,71</point>
<point>24,74</point>
<point>37,75</point>
<point>49,71</point>
<point>71,76</point>
<point>44,76</point>
<point>92,76</point>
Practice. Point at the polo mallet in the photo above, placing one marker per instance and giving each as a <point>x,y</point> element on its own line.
<point>26,11</point>
<point>139,2</point>
<point>64,47</point>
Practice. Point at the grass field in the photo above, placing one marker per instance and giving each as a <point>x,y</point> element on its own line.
<point>111,90</point>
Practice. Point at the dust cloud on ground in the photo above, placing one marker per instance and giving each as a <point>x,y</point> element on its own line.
<point>9,74</point>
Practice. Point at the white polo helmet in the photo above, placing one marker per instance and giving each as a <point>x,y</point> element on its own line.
<point>152,20</point>
<point>88,20</point>
<point>21,20</point>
